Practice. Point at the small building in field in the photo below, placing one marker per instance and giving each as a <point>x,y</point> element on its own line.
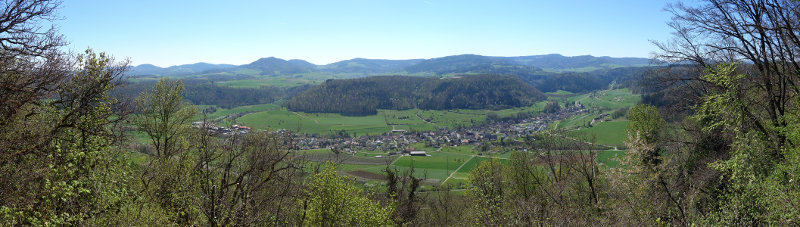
<point>418,153</point>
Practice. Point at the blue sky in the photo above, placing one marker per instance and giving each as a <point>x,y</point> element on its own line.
<point>168,33</point>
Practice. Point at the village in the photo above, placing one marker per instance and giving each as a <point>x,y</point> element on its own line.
<point>400,141</point>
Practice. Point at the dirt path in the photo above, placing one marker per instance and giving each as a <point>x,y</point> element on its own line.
<point>581,141</point>
<point>306,117</point>
<point>423,119</point>
<point>457,169</point>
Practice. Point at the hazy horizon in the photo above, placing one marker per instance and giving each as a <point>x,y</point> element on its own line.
<point>223,63</point>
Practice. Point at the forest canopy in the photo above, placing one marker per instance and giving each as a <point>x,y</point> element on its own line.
<point>365,96</point>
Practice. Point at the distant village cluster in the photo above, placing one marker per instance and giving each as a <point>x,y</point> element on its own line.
<point>221,131</point>
<point>401,140</point>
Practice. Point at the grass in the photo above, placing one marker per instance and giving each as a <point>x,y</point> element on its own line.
<point>611,133</point>
<point>436,160</point>
<point>560,93</point>
<point>384,121</point>
<point>220,113</point>
<point>474,162</point>
<point>607,157</point>
<point>441,165</point>
<point>464,149</point>
<point>315,123</point>
<point>140,137</point>
<point>271,81</point>
<point>612,99</point>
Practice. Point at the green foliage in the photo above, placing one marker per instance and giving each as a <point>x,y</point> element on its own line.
<point>611,133</point>
<point>220,92</point>
<point>552,107</point>
<point>334,200</point>
<point>365,96</point>
<point>722,110</point>
<point>487,191</point>
<point>645,122</point>
<point>65,172</point>
<point>164,116</point>
<point>760,175</point>
<point>571,82</point>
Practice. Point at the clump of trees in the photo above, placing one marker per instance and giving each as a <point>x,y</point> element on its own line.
<point>202,92</point>
<point>364,96</point>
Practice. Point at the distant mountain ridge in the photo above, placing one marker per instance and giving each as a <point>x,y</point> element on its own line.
<point>467,63</point>
<point>277,66</point>
<point>201,67</point>
<point>557,62</point>
<point>363,65</point>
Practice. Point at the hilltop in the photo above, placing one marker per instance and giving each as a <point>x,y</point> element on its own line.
<point>364,96</point>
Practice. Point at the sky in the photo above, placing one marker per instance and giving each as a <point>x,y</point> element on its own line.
<point>166,33</point>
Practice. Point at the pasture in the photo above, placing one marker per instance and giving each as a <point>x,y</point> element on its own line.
<point>385,121</point>
<point>609,99</point>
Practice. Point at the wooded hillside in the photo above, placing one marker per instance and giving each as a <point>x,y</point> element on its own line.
<point>365,96</point>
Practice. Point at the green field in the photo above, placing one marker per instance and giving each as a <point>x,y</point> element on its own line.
<point>559,92</point>
<point>437,166</point>
<point>315,123</point>
<point>611,133</point>
<point>607,157</point>
<point>612,99</point>
<point>274,81</point>
<point>221,113</point>
<point>384,121</point>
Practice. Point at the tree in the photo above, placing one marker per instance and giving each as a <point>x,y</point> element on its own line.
<point>401,190</point>
<point>62,168</point>
<point>164,116</point>
<point>244,181</point>
<point>333,200</point>
<point>30,63</point>
<point>745,101</point>
<point>762,35</point>
<point>646,127</point>
<point>649,186</point>
<point>487,191</point>
<point>31,67</point>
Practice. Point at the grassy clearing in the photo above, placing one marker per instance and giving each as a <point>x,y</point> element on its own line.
<point>140,137</point>
<point>271,81</point>
<point>239,110</point>
<point>612,99</point>
<point>384,121</point>
<point>607,158</point>
<point>315,123</point>
<point>559,92</point>
<point>437,160</point>
<point>474,162</point>
<point>464,149</point>
<point>611,133</point>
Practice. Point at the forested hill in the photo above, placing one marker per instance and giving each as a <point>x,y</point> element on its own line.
<point>365,96</point>
<point>467,63</point>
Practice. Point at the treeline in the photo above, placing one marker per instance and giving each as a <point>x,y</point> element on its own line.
<point>202,92</point>
<point>588,81</point>
<point>364,96</point>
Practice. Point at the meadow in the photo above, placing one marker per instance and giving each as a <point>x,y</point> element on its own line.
<point>384,121</point>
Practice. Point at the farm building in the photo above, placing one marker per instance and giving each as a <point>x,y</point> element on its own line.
<point>418,153</point>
